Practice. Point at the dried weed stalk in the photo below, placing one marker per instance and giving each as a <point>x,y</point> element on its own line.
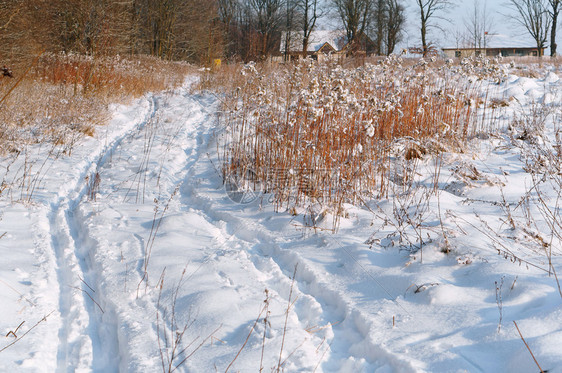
<point>320,135</point>
<point>174,350</point>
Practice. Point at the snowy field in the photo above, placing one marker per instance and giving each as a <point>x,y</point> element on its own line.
<point>129,255</point>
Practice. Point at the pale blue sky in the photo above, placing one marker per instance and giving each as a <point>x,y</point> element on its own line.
<point>503,32</point>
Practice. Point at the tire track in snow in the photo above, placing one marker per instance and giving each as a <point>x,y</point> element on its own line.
<point>195,117</point>
<point>81,303</point>
<point>181,120</point>
<point>352,341</point>
<point>351,328</point>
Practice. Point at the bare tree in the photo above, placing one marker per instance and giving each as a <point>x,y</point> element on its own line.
<point>460,38</point>
<point>395,20</point>
<point>479,25</point>
<point>355,16</point>
<point>554,10</point>
<point>310,13</point>
<point>533,15</point>
<point>382,20</point>
<point>227,10</point>
<point>14,31</point>
<point>292,19</point>
<point>198,35</point>
<point>178,29</point>
<point>268,20</point>
<point>379,18</point>
<point>243,39</point>
<point>430,9</point>
<point>159,19</point>
<point>235,21</point>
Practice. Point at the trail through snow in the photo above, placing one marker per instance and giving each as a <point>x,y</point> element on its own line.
<point>88,337</point>
<point>131,242</point>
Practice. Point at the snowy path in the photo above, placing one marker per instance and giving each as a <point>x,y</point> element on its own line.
<point>84,322</point>
<point>168,154</point>
<point>133,238</point>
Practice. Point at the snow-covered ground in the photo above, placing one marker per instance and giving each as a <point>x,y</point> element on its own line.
<point>129,255</point>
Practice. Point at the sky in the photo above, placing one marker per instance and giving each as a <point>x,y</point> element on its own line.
<point>503,32</point>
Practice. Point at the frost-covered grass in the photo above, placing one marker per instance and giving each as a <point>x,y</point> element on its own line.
<point>319,135</point>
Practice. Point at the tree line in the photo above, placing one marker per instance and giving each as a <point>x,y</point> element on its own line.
<point>202,30</point>
<point>170,29</point>
<point>193,30</point>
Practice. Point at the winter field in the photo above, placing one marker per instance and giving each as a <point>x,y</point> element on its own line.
<point>394,217</point>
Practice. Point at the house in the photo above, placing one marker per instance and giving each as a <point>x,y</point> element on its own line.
<point>321,44</point>
<point>492,51</point>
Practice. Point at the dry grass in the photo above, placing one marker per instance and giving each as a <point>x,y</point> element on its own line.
<point>38,112</point>
<point>110,77</point>
<point>64,97</point>
<point>318,135</point>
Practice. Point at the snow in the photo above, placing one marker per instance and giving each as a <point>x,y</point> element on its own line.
<point>133,236</point>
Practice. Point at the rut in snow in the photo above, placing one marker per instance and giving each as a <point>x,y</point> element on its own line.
<point>88,333</point>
